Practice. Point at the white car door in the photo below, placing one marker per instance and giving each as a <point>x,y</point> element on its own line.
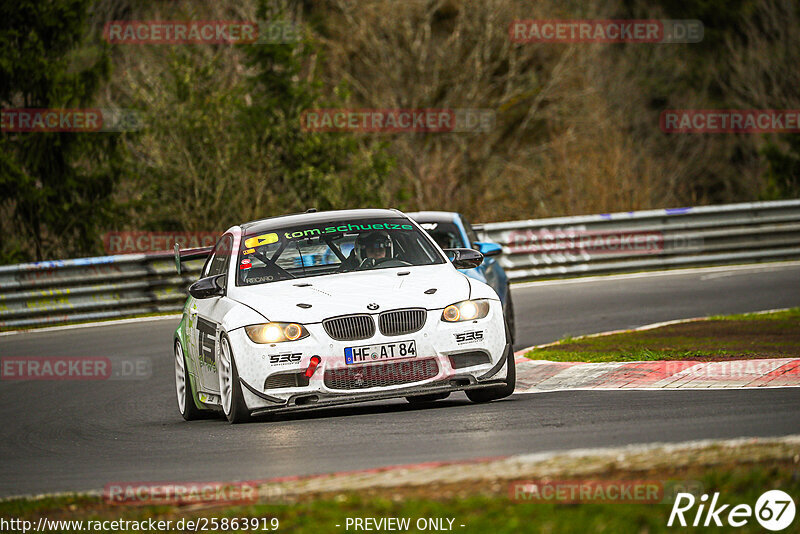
<point>210,312</point>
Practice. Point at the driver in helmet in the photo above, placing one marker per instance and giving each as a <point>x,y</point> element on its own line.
<point>375,245</point>
<point>369,250</point>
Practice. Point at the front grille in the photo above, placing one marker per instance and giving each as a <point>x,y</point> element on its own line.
<point>401,322</point>
<point>350,327</point>
<point>381,375</point>
<point>468,359</point>
<point>286,380</point>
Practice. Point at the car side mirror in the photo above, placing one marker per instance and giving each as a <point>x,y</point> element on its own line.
<point>488,249</point>
<point>464,258</point>
<point>210,286</point>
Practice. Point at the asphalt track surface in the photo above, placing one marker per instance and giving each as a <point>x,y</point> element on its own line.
<point>74,436</point>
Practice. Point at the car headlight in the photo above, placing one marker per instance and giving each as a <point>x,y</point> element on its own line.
<point>275,332</point>
<point>466,310</point>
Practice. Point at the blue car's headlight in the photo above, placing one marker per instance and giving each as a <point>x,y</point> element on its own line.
<point>466,310</point>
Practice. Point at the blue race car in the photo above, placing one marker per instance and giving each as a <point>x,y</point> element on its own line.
<point>451,230</point>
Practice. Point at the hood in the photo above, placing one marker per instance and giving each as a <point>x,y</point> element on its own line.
<point>347,293</point>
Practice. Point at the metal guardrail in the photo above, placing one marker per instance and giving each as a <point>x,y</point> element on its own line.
<point>647,240</point>
<point>55,292</point>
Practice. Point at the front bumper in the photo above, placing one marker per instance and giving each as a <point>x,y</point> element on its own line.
<point>320,401</point>
<point>436,342</point>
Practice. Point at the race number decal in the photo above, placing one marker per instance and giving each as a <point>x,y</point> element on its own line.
<point>206,340</point>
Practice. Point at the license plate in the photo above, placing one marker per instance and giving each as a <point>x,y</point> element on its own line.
<point>384,351</point>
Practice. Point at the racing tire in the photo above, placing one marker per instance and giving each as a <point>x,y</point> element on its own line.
<point>497,392</point>
<point>425,399</point>
<point>230,389</point>
<point>183,386</point>
<point>509,314</point>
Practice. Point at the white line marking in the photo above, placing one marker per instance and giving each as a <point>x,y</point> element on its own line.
<point>92,325</point>
<point>520,285</point>
<point>648,274</point>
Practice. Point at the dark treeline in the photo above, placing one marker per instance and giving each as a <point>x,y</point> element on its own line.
<point>576,130</point>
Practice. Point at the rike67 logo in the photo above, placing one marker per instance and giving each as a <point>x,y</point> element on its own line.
<point>774,510</point>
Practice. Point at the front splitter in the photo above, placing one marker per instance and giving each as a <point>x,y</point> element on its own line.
<point>327,400</point>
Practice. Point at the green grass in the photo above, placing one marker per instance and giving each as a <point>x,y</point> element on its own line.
<point>745,336</point>
<point>641,355</point>
<point>791,313</point>
<point>496,513</point>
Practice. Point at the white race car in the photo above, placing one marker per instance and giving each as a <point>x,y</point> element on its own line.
<point>321,309</point>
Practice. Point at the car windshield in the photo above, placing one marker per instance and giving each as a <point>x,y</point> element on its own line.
<point>332,247</point>
<point>446,235</point>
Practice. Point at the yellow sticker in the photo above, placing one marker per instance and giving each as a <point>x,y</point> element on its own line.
<point>260,240</point>
<point>249,251</point>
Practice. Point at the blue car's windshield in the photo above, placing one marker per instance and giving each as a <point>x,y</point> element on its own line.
<point>333,247</point>
<point>446,235</point>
